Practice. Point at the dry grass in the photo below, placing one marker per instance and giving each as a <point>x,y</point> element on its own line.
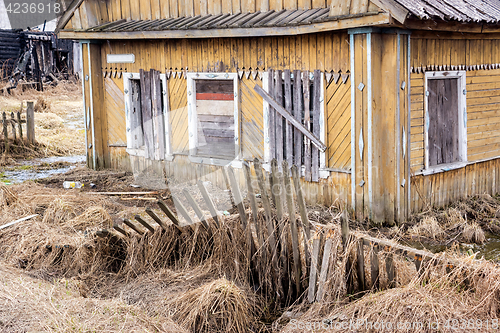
<point>428,227</point>
<point>62,243</point>
<point>58,120</point>
<point>32,305</point>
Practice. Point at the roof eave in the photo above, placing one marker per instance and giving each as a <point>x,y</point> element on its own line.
<point>355,21</point>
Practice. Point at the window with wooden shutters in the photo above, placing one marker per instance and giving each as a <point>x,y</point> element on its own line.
<point>146,111</point>
<point>301,95</point>
<point>213,116</point>
<point>446,139</point>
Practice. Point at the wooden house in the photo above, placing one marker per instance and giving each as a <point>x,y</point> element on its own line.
<point>386,105</point>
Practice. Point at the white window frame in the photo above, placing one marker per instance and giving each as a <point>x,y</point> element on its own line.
<point>323,170</point>
<point>166,117</point>
<point>462,120</point>
<point>193,118</point>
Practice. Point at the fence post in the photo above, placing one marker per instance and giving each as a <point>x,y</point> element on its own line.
<point>30,122</point>
<point>13,124</point>
<point>5,133</point>
<point>20,125</point>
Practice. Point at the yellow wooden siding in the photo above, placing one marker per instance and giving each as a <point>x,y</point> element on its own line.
<point>483,116</point>
<point>252,124</point>
<point>177,89</point>
<point>448,51</point>
<point>324,51</point>
<point>338,120</point>
<point>417,122</point>
<point>115,109</point>
<point>442,188</point>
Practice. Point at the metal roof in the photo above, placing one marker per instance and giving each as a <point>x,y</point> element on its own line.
<point>222,21</point>
<point>486,11</point>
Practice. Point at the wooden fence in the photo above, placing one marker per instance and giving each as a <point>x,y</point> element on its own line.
<point>11,127</point>
<point>283,228</point>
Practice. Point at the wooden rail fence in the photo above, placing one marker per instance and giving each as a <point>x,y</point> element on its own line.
<point>306,270</point>
<point>11,127</point>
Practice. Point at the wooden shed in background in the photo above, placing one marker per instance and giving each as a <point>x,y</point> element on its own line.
<point>386,105</point>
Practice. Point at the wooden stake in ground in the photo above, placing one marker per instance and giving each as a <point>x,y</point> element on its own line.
<point>253,203</point>
<point>325,265</point>
<point>169,214</point>
<point>133,226</point>
<point>306,225</point>
<point>314,268</point>
<point>5,132</point>
<point>374,267</point>
<point>20,125</point>
<point>30,122</point>
<point>144,223</point>
<point>156,218</point>
<point>361,265</point>
<point>238,198</point>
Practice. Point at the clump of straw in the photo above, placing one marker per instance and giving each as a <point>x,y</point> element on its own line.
<point>472,233</point>
<point>7,197</point>
<point>428,227</point>
<point>218,306</point>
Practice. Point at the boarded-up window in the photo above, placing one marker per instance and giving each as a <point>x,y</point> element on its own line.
<point>147,116</point>
<point>215,115</point>
<point>443,113</point>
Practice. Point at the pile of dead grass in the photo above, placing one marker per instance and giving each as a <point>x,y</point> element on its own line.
<point>465,220</point>
<point>32,305</point>
<point>471,291</point>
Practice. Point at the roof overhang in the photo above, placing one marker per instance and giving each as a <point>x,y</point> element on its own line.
<point>346,22</point>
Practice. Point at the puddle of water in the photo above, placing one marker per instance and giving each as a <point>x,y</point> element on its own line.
<point>27,170</point>
<point>490,250</point>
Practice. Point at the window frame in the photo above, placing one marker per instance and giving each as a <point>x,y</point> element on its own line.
<point>166,117</point>
<point>462,119</point>
<point>323,170</point>
<point>193,117</point>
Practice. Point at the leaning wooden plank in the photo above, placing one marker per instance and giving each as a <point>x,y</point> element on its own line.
<point>375,272</point>
<point>133,226</point>
<point>147,121</point>
<point>389,267</point>
<point>124,193</point>
<point>157,219</point>
<point>324,265</point>
<point>238,198</point>
<point>298,139</point>
<point>307,124</point>
<point>120,230</point>
<point>182,210</point>
<point>208,201</point>
<point>293,228</point>
<point>361,265</point>
<point>315,122</point>
<point>317,142</point>
<point>301,202</point>
<point>144,223</point>
<point>272,116</point>
<point>196,208</point>
<point>276,190</point>
<point>169,213</point>
<point>278,97</point>
<point>267,210</point>
<point>17,221</point>
<point>289,108</point>
<point>253,204</point>
<point>314,268</point>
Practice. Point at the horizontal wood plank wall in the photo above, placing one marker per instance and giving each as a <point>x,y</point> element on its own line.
<point>442,188</point>
<point>115,109</point>
<point>252,125</point>
<point>324,51</point>
<point>483,116</point>
<point>417,122</point>
<point>448,51</point>
<point>112,10</point>
<point>338,116</point>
